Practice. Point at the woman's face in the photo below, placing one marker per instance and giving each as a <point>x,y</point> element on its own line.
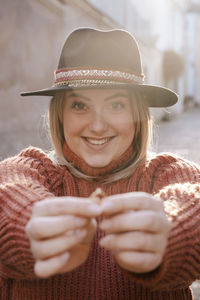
<point>98,124</point>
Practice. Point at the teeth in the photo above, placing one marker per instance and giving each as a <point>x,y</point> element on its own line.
<point>98,142</point>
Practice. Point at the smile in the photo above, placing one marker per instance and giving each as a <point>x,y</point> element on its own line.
<point>98,141</point>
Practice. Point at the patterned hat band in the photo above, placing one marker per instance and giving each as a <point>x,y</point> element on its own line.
<point>78,77</point>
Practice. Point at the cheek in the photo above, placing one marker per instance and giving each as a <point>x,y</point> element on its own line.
<point>126,126</point>
<point>72,126</point>
<point>128,133</point>
<point>69,126</point>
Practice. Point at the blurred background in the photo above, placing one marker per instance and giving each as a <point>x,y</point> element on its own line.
<point>33,33</point>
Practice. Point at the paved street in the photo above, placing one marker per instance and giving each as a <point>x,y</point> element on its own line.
<point>181,136</point>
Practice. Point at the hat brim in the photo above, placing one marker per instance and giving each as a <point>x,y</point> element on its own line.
<point>154,96</point>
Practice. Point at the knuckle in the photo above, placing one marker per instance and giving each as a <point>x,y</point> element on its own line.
<point>62,205</point>
<point>151,262</point>
<point>117,202</point>
<point>71,239</point>
<point>33,228</point>
<point>159,202</point>
<point>156,222</point>
<point>144,195</point>
<point>122,205</point>
<point>45,206</point>
<point>36,208</point>
<point>38,250</point>
<point>111,242</point>
<point>76,224</point>
<point>69,221</point>
<point>165,224</point>
<point>163,244</point>
<point>142,242</point>
<point>168,225</point>
<point>40,270</point>
<point>115,223</point>
<point>28,229</point>
<point>151,220</point>
<point>156,260</point>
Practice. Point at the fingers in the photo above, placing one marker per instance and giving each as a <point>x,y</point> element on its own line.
<point>131,201</point>
<point>46,268</point>
<point>135,241</point>
<point>67,205</point>
<point>150,221</point>
<point>138,262</point>
<point>136,252</point>
<point>51,247</point>
<point>86,208</point>
<point>44,227</point>
<point>75,245</point>
<point>91,229</point>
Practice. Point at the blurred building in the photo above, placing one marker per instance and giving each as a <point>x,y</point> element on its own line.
<point>32,35</point>
<point>192,52</point>
<point>167,32</point>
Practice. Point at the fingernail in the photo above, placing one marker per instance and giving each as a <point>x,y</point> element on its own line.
<point>95,209</point>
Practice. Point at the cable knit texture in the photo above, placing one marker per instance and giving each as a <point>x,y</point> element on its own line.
<point>31,176</point>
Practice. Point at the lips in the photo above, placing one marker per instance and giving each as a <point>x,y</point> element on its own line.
<point>101,141</point>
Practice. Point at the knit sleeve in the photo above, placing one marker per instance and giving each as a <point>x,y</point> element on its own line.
<point>177,183</point>
<point>24,180</point>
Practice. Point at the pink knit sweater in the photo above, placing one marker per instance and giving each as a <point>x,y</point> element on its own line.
<point>31,176</point>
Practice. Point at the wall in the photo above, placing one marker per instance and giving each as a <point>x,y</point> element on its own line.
<point>32,35</point>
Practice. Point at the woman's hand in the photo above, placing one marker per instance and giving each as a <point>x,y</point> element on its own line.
<point>60,232</point>
<point>136,230</point>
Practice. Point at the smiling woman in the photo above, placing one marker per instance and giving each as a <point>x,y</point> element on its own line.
<point>135,237</point>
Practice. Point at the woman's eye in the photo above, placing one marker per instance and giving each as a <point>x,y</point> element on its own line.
<point>117,105</point>
<point>79,105</point>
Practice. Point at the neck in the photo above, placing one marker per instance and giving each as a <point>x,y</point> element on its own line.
<point>112,167</point>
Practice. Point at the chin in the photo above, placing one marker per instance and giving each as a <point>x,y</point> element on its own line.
<point>98,164</point>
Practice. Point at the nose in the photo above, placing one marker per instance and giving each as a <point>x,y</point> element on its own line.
<point>98,123</point>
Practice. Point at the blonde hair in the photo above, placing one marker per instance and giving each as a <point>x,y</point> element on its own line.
<point>140,144</point>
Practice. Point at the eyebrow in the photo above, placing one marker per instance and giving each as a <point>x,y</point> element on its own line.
<point>116,95</point>
<point>79,95</point>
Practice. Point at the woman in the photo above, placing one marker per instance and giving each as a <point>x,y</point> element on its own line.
<point>140,240</point>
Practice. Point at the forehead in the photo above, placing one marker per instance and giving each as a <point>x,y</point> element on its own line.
<point>103,93</point>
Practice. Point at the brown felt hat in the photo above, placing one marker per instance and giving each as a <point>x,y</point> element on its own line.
<point>93,58</point>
